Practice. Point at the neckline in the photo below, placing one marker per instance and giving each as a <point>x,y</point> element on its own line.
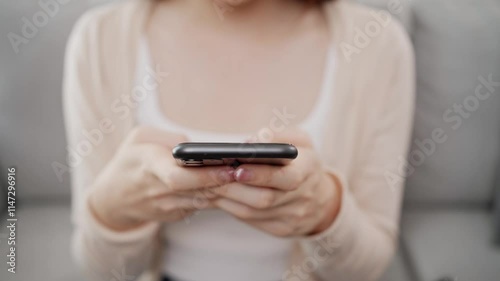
<point>317,110</point>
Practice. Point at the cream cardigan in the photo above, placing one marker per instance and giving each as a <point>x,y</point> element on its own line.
<point>371,120</point>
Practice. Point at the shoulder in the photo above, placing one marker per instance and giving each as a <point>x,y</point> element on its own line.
<point>107,24</point>
<point>375,55</point>
<point>103,44</point>
<point>100,54</point>
<point>360,31</point>
<point>110,16</point>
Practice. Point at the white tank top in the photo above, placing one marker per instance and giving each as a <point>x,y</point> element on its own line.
<point>212,245</point>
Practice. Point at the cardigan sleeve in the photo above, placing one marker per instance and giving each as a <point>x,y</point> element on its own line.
<point>93,134</point>
<point>363,238</point>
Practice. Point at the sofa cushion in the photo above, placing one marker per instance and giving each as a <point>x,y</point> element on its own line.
<point>457,45</point>
<point>43,235</point>
<point>398,270</point>
<point>457,244</point>
<point>30,93</point>
<point>31,66</point>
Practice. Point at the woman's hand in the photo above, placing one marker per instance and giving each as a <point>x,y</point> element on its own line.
<point>297,199</point>
<point>144,183</point>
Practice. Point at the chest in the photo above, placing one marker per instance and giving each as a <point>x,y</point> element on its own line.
<point>238,89</point>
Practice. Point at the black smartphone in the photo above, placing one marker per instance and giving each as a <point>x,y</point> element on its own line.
<point>206,153</point>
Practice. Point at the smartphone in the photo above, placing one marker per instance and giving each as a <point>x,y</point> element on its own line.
<point>203,154</point>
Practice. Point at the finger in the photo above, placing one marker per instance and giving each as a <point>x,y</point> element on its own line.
<point>176,178</point>
<point>287,177</point>
<point>273,226</point>
<point>174,205</point>
<point>290,213</point>
<point>284,221</point>
<point>205,193</point>
<point>155,191</point>
<point>293,136</point>
<point>242,211</point>
<point>155,136</point>
<point>253,196</point>
<point>158,191</point>
<point>182,179</point>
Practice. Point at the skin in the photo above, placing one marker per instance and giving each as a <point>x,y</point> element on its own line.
<point>263,55</point>
<point>143,183</point>
<point>292,200</point>
<point>254,51</point>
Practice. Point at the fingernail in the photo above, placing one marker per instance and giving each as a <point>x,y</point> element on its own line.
<point>243,175</point>
<point>225,175</point>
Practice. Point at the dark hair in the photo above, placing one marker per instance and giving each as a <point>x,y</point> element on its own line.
<point>318,1</point>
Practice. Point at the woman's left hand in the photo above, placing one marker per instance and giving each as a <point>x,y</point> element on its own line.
<point>292,200</point>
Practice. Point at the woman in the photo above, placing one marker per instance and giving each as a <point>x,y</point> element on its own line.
<point>327,76</point>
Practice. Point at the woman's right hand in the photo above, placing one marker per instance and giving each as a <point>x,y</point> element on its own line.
<point>143,183</point>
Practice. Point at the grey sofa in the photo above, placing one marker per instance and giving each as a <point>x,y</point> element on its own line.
<point>447,223</point>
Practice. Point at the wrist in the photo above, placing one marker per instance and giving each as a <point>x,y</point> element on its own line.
<point>108,216</point>
<point>331,205</point>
